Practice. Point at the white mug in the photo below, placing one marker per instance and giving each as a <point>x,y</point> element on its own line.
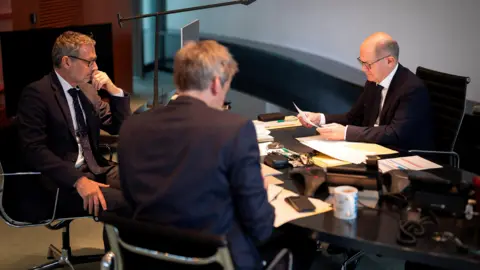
<point>345,203</point>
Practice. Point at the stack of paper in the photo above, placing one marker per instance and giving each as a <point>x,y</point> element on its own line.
<point>284,212</point>
<point>290,121</point>
<point>345,151</point>
<point>414,163</point>
<point>263,134</point>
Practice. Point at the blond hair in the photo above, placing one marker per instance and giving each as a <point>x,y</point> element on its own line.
<point>68,43</point>
<point>197,63</point>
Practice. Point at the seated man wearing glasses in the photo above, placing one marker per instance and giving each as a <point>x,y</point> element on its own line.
<point>393,109</point>
<point>59,122</point>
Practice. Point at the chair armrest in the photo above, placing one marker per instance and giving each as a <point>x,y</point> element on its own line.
<point>4,214</point>
<point>278,258</point>
<point>452,154</point>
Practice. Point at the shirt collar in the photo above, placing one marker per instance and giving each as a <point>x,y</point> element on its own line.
<point>65,85</point>
<point>388,80</point>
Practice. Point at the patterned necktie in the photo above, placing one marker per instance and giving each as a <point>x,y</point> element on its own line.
<point>82,133</point>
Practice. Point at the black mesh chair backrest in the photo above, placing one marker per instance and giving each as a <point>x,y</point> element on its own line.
<point>22,198</point>
<point>448,96</point>
<point>164,239</point>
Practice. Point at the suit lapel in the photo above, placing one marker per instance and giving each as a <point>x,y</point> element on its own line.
<point>391,93</point>
<point>62,102</point>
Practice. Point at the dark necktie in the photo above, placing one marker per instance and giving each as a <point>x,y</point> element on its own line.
<point>376,104</point>
<point>82,133</point>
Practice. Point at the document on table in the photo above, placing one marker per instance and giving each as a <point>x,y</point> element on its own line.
<point>284,212</point>
<point>351,152</point>
<point>290,121</point>
<point>325,161</point>
<point>414,163</point>
<point>263,148</point>
<point>304,116</point>
<point>269,171</point>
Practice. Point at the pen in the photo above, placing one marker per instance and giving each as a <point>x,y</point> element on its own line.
<point>276,196</point>
<point>289,151</point>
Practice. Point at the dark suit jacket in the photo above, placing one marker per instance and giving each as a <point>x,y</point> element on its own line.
<point>46,128</point>
<point>405,119</point>
<point>194,167</point>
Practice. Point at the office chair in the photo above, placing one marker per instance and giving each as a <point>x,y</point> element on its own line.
<point>23,205</point>
<point>134,243</point>
<point>448,95</point>
<point>13,187</point>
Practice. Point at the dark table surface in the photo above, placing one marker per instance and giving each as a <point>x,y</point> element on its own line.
<point>375,231</point>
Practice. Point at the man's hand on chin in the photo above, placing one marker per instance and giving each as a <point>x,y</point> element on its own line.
<point>332,132</point>
<point>100,80</point>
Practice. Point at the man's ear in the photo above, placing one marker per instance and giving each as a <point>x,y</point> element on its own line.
<point>391,60</point>
<point>66,62</point>
<point>215,86</point>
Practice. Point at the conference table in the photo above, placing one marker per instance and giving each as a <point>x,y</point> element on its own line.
<point>375,231</point>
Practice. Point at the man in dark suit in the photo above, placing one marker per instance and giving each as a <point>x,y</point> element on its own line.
<point>191,165</point>
<point>59,121</point>
<point>393,109</point>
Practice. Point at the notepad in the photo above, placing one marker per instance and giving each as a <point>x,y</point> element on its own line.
<point>324,161</point>
<point>414,163</point>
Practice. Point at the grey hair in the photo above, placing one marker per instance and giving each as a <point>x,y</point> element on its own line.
<point>388,47</point>
<point>68,43</point>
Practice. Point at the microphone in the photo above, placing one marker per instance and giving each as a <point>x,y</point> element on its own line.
<point>247,2</point>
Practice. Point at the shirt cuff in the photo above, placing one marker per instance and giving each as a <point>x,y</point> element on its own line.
<point>322,119</point>
<point>345,135</point>
<point>119,94</point>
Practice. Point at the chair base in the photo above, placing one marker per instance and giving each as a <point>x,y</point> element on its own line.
<point>62,258</point>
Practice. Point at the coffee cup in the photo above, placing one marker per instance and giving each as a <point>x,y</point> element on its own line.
<point>345,202</point>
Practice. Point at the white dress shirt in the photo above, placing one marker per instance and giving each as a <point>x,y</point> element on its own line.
<point>66,86</point>
<point>386,84</point>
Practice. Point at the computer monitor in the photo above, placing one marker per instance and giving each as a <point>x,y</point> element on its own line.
<point>190,32</point>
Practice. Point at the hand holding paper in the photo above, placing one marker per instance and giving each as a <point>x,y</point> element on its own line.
<point>332,132</point>
<point>307,118</point>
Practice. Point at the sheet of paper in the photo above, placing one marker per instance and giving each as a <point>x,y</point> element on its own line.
<point>269,171</point>
<point>304,116</point>
<point>264,138</point>
<point>335,149</point>
<point>371,148</point>
<point>284,212</point>
<point>273,180</point>
<point>415,163</point>
<point>351,152</point>
<point>263,148</point>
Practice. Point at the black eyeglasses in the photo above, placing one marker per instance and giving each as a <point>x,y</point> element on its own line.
<point>369,65</point>
<point>89,62</point>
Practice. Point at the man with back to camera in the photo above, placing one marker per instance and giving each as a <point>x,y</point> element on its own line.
<point>60,117</point>
<point>393,109</point>
<point>191,165</point>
